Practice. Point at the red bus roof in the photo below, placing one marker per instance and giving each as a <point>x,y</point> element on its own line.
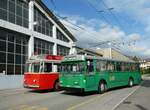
<point>47,57</point>
<point>53,57</point>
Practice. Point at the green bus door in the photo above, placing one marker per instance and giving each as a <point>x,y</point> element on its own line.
<point>90,75</point>
<point>112,79</point>
<point>90,81</point>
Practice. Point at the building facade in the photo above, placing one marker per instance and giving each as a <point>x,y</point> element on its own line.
<point>28,27</point>
<point>112,53</point>
<point>145,64</point>
<point>84,51</point>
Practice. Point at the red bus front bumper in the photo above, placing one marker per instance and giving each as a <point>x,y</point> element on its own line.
<point>40,81</point>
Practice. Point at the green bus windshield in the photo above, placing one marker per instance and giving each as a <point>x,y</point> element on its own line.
<point>72,67</point>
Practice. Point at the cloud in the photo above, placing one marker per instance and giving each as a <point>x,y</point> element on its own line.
<point>88,34</point>
<point>134,37</point>
<point>147,52</point>
<point>138,10</point>
<point>92,31</point>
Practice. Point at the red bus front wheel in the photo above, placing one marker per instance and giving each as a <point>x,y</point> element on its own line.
<point>57,86</point>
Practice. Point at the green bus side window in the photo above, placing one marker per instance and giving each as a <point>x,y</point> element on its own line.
<point>101,66</point>
<point>110,66</point>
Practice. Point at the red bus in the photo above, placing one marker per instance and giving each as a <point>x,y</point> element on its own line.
<point>41,72</point>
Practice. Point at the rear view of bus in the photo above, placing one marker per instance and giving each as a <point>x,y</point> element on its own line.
<point>41,72</point>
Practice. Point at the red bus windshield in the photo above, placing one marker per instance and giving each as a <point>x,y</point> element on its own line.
<point>34,67</point>
<point>39,67</point>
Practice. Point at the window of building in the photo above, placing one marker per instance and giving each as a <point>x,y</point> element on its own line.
<point>2,57</point>
<point>61,36</point>
<point>18,59</point>
<point>10,69</point>
<point>3,4</point>
<point>12,6</point>
<point>11,10</point>
<point>44,25</point>
<point>12,17</point>
<point>17,69</point>
<point>15,11</point>
<point>62,50</point>
<point>10,59</point>
<point>2,68</point>
<point>3,46</point>
<point>43,47</point>
<point>18,49</point>
<point>11,38</point>
<point>13,52</point>
<point>2,35</point>
<point>10,47</point>
<point>3,9</point>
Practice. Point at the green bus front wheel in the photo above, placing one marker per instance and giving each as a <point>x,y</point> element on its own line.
<point>102,87</point>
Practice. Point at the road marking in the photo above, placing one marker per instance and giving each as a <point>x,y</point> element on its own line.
<point>126,97</point>
<point>86,102</point>
<point>43,108</point>
<point>95,98</point>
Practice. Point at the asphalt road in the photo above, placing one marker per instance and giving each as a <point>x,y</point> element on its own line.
<point>140,100</point>
<point>135,98</point>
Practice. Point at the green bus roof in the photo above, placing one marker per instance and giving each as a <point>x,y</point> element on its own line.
<point>70,58</point>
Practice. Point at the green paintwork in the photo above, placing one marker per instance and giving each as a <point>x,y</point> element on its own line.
<point>90,82</point>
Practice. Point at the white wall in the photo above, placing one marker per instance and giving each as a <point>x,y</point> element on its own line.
<point>11,81</point>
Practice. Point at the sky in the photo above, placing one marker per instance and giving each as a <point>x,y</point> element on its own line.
<point>121,24</point>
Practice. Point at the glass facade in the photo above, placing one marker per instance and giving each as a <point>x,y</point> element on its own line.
<point>15,11</point>
<point>14,46</point>
<point>43,25</point>
<point>62,50</point>
<point>13,52</point>
<point>61,36</point>
<point>42,47</point>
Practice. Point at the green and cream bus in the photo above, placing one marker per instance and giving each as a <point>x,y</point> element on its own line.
<point>89,73</point>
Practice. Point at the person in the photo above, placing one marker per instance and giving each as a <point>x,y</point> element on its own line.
<point>90,66</point>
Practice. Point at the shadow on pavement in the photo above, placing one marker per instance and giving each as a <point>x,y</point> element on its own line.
<point>40,91</point>
<point>146,83</point>
<point>137,105</point>
<point>75,93</point>
<point>140,107</point>
<point>83,94</point>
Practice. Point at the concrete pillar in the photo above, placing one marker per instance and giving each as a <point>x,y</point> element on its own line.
<point>54,47</point>
<point>31,46</point>
<point>31,15</point>
<point>110,53</point>
<point>31,28</point>
<point>55,37</point>
<point>73,49</point>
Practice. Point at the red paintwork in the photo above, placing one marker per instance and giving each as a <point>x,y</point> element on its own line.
<point>43,80</point>
<point>53,57</point>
